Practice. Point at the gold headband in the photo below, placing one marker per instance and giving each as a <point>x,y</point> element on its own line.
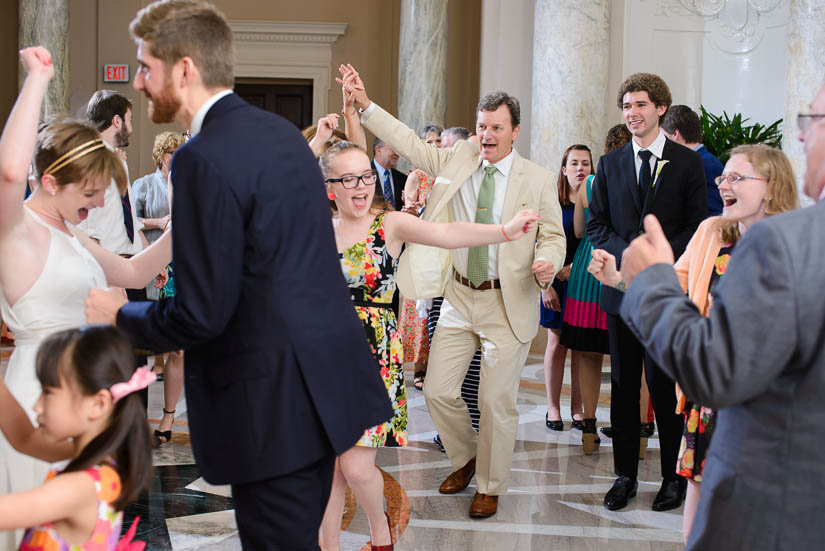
<point>73,155</point>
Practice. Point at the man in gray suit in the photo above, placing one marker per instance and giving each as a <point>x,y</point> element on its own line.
<point>759,358</point>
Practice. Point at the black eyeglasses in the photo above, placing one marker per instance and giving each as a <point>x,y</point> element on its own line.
<point>350,182</point>
<point>734,178</point>
<point>805,120</point>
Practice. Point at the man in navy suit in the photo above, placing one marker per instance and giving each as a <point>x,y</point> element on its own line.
<point>651,174</point>
<point>683,125</point>
<point>279,377</point>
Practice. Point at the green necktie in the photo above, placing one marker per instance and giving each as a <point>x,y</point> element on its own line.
<point>478,256</point>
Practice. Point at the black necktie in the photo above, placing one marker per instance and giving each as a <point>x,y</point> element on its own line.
<point>645,175</point>
<point>127,215</point>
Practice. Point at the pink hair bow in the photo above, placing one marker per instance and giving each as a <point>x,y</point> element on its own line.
<point>141,378</point>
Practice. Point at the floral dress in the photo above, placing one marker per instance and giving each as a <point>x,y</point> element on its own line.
<point>370,273</point>
<point>414,329</point>
<point>107,531</point>
<point>700,420</point>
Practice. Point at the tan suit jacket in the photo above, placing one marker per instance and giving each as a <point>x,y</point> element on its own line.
<point>529,187</point>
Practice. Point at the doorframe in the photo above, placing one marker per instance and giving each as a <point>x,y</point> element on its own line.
<point>285,49</point>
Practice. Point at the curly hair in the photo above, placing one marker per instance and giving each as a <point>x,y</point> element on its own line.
<point>166,142</point>
<point>617,137</point>
<point>774,166</point>
<point>655,87</point>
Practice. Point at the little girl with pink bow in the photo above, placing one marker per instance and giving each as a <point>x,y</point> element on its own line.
<point>88,413</point>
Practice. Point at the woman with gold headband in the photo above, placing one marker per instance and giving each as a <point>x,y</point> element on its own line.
<point>46,266</point>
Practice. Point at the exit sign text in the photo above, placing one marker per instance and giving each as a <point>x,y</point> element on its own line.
<point>116,73</point>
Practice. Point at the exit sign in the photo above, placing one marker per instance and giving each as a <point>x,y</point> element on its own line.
<point>116,73</point>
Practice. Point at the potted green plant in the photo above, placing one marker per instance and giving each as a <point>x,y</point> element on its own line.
<point>722,133</point>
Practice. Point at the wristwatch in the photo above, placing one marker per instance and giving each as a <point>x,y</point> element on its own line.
<point>621,286</point>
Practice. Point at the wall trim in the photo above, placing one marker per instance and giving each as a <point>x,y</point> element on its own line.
<point>287,49</point>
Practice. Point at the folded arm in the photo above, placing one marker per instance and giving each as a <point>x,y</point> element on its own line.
<point>135,272</point>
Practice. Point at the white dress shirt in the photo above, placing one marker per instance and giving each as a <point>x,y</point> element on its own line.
<point>657,147</point>
<point>197,120</point>
<point>464,204</point>
<point>105,224</point>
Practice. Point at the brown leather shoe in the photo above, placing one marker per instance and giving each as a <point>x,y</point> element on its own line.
<point>459,479</point>
<point>483,506</point>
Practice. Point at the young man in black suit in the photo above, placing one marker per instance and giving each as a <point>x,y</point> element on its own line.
<point>279,377</point>
<point>650,175</point>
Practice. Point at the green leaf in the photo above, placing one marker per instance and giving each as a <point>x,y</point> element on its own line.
<point>721,133</point>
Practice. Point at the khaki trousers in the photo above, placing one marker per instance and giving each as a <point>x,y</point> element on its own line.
<point>469,317</point>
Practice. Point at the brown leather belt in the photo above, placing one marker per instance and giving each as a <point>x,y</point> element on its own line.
<point>489,284</point>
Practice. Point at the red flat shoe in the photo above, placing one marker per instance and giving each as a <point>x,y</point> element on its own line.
<point>391,546</point>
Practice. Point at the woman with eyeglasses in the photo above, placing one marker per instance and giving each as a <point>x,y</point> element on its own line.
<point>369,237</point>
<point>758,181</point>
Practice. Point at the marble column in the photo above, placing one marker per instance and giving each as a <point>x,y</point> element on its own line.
<point>805,74</point>
<point>422,63</point>
<point>46,23</point>
<point>571,49</point>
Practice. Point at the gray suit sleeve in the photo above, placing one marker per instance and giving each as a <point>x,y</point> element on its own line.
<point>747,341</point>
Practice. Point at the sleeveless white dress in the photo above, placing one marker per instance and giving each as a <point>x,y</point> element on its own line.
<point>55,302</point>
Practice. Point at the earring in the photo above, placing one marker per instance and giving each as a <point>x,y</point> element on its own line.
<point>769,197</point>
<point>331,196</point>
<point>54,192</point>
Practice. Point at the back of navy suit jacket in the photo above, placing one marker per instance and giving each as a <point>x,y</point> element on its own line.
<point>278,372</point>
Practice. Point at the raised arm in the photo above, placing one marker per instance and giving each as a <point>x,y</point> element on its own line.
<point>393,132</point>
<point>323,133</point>
<point>352,122</point>
<point>135,272</point>
<point>400,228</point>
<point>24,437</point>
<point>19,135</point>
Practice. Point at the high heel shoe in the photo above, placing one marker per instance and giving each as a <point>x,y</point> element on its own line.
<point>553,425</point>
<point>165,436</point>
<point>645,432</point>
<point>391,546</point>
<point>590,440</point>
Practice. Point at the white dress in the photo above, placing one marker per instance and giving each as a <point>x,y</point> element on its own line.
<point>55,302</point>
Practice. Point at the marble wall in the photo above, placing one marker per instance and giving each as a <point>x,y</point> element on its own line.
<point>507,57</point>
<point>805,73</point>
<point>422,63</point>
<point>570,70</point>
<point>727,55</point>
<point>46,23</point>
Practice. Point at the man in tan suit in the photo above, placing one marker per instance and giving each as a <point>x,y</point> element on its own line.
<point>491,293</point>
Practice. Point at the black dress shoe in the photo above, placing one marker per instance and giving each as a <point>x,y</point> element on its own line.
<point>553,425</point>
<point>623,489</point>
<point>671,495</point>
<point>607,431</point>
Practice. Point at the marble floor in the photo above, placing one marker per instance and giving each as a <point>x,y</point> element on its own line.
<point>554,500</point>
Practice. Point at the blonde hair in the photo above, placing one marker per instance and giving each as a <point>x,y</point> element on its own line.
<point>166,142</point>
<point>174,29</point>
<point>63,135</point>
<point>775,167</point>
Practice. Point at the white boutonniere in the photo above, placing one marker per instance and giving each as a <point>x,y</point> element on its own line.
<point>660,165</point>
